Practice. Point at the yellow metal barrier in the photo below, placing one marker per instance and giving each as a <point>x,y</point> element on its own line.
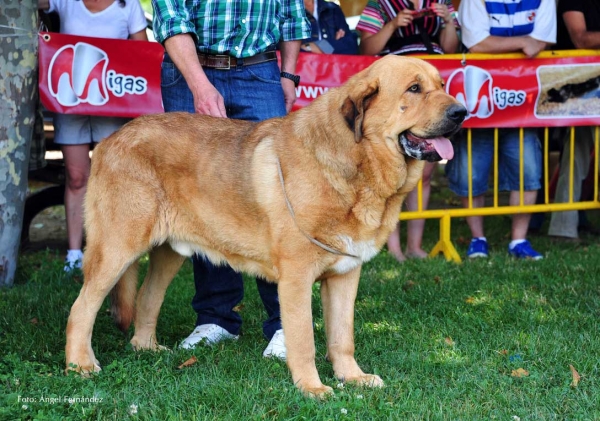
<point>445,246</point>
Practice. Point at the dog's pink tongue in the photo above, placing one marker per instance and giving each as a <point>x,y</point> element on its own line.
<point>443,147</point>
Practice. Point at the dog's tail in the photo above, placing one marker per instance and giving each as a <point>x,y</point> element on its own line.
<point>122,298</point>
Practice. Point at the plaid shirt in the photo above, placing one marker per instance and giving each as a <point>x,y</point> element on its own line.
<point>240,28</point>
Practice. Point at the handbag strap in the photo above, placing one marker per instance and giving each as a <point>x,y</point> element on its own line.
<point>424,35</point>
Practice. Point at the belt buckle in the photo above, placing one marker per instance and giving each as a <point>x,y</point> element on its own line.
<point>223,57</point>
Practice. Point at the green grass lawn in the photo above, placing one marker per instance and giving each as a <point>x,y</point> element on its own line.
<point>447,339</point>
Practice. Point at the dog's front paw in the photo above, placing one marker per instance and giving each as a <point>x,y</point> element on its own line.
<point>369,380</point>
<point>86,370</point>
<point>316,392</point>
<point>147,345</point>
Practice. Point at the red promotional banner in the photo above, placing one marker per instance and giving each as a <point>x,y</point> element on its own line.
<point>515,92</point>
<point>506,92</point>
<point>96,76</point>
<point>99,76</point>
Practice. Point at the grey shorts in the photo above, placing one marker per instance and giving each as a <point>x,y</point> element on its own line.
<point>71,129</point>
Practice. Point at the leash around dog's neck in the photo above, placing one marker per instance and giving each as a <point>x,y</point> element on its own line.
<point>291,209</point>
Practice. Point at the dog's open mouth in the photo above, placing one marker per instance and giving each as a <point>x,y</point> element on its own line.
<point>432,149</point>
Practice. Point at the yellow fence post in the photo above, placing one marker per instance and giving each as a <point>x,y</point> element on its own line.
<point>444,245</point>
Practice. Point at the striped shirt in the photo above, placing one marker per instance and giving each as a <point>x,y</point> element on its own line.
<point>406,40</point>
<point>507,18</point>
<point>240,28</point>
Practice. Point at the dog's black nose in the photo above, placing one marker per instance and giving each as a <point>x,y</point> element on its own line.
<point>456,113</point>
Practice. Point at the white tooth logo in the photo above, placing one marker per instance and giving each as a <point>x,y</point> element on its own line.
<point>77,74</point>
<point>472,87</point>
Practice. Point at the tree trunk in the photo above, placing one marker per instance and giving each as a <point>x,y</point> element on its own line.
<point>18,92</point>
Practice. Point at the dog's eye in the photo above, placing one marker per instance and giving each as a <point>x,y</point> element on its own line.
<point>416,88</point>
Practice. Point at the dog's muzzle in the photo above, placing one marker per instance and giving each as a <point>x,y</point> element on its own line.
<point>435,146</point>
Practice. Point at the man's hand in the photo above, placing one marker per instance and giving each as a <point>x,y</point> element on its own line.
<point>532,47</point>
<point>289,93</point>
<point>208,101</point>
<point>289,57</point>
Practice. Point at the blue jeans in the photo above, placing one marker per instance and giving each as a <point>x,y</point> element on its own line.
<point>482,155</point>
<point>251,93</point>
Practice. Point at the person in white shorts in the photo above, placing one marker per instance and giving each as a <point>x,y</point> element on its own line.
<point>116,19</point>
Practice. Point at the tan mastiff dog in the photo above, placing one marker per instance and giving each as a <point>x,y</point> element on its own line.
<point>304,198</point>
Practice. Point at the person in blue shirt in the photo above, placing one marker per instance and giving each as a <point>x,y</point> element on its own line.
<point>494,27</point>
<point>330,33</point>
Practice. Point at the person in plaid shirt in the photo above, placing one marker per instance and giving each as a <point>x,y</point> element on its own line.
<point>220,60</point>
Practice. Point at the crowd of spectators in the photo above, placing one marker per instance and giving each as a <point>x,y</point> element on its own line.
<point>495,27</point>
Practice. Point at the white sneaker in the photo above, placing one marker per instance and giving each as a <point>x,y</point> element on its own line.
<point>73,260</point>
<point>276,347</point>
<point>210,334</point>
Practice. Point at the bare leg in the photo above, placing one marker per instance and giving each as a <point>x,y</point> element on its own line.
<point>417,226</point>
<point>77,165</point>
<point>393,244</point>
<point>520,221</point>
<point>475,222</point>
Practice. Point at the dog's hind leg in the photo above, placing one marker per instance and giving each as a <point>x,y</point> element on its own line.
<point>102,269</point>
<point>122,297</point>
<point>338,294</point>
<point>164,264</point>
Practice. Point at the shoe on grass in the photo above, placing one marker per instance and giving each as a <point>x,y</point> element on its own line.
<point>524,251</point>
<point>209,334</point>
<point>477,248</point>
<point>276,347</point>
<point>73,261</point>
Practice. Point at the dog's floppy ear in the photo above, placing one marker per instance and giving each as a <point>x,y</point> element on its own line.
<point>355,106</point>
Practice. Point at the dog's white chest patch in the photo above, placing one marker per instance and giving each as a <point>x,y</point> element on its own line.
<point>363,250</point>
<point>189,249</point>
<point>185,249</point>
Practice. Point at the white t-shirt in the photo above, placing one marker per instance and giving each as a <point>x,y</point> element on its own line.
<point>475,21</point>
<point>113,22</point>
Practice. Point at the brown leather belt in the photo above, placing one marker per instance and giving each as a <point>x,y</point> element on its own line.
<point>224,62</point>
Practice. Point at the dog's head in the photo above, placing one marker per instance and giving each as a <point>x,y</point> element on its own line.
<point>402,100</point>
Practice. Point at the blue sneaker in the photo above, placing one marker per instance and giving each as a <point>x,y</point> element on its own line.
<point>524,251</point>
<point>477,248</point>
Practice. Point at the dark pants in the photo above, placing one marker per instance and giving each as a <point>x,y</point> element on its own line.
<point>251,93</point>
<point>220,288</point>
